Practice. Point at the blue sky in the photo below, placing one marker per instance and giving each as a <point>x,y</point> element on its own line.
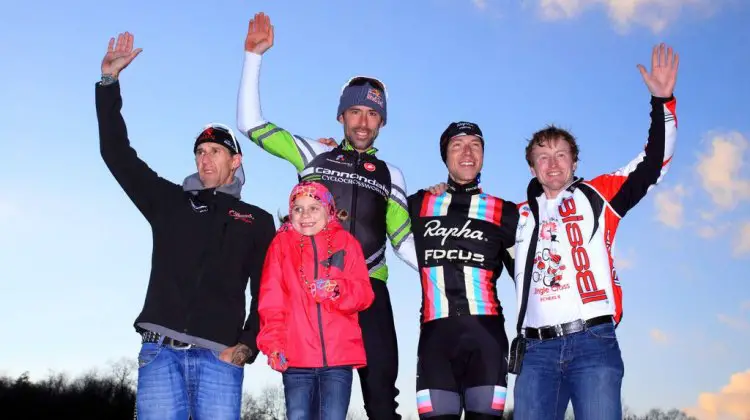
<point>75,252</point>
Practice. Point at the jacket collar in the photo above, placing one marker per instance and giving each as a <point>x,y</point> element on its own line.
<point>346,145</point>
<point>470,188</point>
<point>193,184</point>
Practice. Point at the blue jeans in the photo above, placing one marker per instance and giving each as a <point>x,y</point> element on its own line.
<point>319,393</point>
<point>174,384</point>
<point>585,368</point>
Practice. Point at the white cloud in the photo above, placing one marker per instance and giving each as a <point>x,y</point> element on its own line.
<point>720,170</point>
<point>624,260</point>
<point>480,4</point>
<point>734,323</point>
<point>654,14</point>
<point>708,232</point>
<point>659,336</point>
<point>670,210</point>
<point>742,241</point>
<point>624,263</point>
<point>733,400</point>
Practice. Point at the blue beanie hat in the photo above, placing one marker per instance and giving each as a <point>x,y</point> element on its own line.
<point>366,95</point>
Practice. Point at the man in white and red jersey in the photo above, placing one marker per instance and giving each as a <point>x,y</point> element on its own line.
<point>569,296</point>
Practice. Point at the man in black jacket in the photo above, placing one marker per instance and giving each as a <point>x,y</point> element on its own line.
<point>207,243</point>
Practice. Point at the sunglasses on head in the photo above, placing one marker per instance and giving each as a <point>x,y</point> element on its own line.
<point>363,80</point>
<point>223,128</point>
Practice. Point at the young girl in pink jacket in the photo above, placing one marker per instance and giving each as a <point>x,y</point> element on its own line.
<point>314,283</point>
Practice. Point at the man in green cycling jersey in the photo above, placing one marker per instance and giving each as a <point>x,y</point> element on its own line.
<point>371,192</point>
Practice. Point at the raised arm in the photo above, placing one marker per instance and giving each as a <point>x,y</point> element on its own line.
<point>295,149</point>
<point>397,220</point>
<point>625,187</point>
<point>142,185</point>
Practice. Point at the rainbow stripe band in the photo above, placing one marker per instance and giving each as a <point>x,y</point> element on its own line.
<point>498,398</point>
<point>433,284</point>
<point>435,205</point>
<point>479,291</point>
<point>424,403</point>
<point>486,208</point>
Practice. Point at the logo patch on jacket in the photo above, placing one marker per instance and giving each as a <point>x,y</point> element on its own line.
<point>335,260</point>
<point>198,207</point>
<point>247,218</point>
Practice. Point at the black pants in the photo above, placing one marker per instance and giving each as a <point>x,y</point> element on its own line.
<point>378,378</point>
<point>462,366</point>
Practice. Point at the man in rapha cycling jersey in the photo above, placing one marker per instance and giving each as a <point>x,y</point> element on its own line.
<point>370,190</point>
<point>461,238</point>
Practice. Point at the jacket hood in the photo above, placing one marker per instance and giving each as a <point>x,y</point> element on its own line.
<point>192,183</point>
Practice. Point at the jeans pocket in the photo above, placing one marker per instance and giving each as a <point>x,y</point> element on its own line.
<point>532,342</point>
<point>149,352</point>
<point>603,332</point>
<point>217,354</point>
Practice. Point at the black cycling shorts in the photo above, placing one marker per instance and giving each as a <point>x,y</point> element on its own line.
<point>462,365</point>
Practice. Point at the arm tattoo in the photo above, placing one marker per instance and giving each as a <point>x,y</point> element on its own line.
<point>240,354</point>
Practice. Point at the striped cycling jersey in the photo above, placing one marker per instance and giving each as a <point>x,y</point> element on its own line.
<point>460,237</point>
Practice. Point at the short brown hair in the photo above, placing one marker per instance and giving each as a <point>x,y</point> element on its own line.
<point>548,134</point>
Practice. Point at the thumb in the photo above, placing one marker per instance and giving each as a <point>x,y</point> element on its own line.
<point>644,72</point>
<point>135,53</point>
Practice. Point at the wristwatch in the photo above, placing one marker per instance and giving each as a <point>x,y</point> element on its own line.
<point>108,79</point>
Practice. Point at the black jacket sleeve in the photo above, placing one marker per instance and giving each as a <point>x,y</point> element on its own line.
<point>142,185</point>
<point>266,230</point>
<point>508,225</point>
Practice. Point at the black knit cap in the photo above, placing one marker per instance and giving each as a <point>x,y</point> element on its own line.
<point>219,135</point>
<point>459,128</point>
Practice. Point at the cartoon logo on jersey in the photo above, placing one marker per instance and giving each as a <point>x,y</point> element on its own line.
<point>369,166</point>
<point>524,211</point>
<point>547,268</point>
<point>548,230</point>
<point>340,158</point>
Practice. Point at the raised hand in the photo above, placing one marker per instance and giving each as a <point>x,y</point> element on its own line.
<point>259,34</point>
<point>663,76</point>
<point>438,189</point>
<point>328,141</point>
<point>119,55</point>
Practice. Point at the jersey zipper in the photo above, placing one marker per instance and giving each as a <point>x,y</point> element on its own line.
<point>202,261</point>
<point>320,312</point>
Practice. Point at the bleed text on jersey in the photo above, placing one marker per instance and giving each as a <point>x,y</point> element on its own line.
<point>585,280</point>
